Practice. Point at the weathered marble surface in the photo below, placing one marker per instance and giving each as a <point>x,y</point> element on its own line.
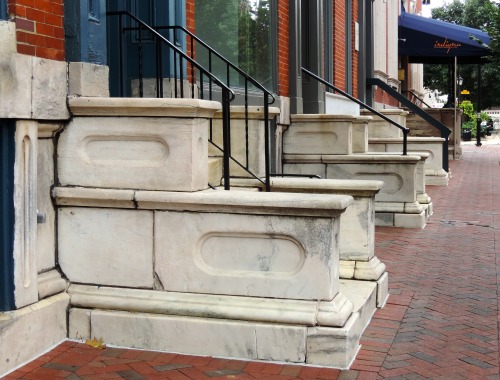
<point>134,153</point>
<point>87,79</point>
<point>106,246</point>
<point>39,327</point>
<point>254,130</point>
<point>25,204</point>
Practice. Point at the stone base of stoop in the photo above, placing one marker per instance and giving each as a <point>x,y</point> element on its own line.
<point>396,214</point>
<point>436,177</point>
<point>247,328</point>
<point>39,327</point>
<point>371,272</point>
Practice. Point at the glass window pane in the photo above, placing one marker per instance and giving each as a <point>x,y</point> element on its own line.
<point>240,31</point>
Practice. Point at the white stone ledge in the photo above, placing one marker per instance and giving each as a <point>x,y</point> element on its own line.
<point>298,312</point>
<point>318,205</point>
<point>327,117</point>
<point>254,112</point>
<point>399,207</point>
<point>357,188</point>
<point>184,108</point>
<point>399,140</point>
<point>386,112</point>
<point>218,201</point>
<point>88,197</point>
<point>50,283</point>
<point>383,158</point>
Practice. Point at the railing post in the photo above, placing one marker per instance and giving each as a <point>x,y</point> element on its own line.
<point>405,141</point>
<point>267,153</point>
<point>445,153</point>
<point>226,137</point>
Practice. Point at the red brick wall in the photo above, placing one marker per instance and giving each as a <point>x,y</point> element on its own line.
<point>39,25</point>
<point>339,47</point>
<point>283,49</point>
<point>355,54</point>
<point>190,23</point>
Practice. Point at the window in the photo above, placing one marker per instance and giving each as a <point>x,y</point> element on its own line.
<point>241,31</point>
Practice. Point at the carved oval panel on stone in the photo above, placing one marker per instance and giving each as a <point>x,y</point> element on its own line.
<point>125,151</point>
<point>234,254</point>
<point>392,181</point>
<point>311,139</point>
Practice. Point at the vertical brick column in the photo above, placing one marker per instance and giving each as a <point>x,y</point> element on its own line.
<point>339,46</point>
<point>355,54</point>
<point>283,48</point>
<point>39,27</point>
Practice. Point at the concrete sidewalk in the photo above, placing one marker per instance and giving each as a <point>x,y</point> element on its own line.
<point>441,320</point>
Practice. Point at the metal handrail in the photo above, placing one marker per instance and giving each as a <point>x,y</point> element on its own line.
<point>418,98</point>
<point>228,94</point>
<point>445,132</point>
<point>366,106</point>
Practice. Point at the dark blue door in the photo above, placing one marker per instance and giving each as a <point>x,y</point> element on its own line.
<point>7,151</point>
<point>140,46</point>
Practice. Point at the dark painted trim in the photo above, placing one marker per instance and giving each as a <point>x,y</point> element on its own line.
<point>369,52</point>
<point>295,56</point>
<point>7,158</point>
<point>348,46</point>
<point>3,10</point>
<point>312,56</point>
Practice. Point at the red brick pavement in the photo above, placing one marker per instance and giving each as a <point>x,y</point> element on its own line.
<point>441,320</point>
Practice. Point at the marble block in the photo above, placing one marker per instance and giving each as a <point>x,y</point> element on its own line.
<point>251,255</point>
<point>357,226</point>
<point>397,172</point>
<point>360,134</point>
<point>201,336</point>
<point>39,327</point>
<point>254,130</point>
<point>326,346</point>
<point>378,127</point>
<point>25,205</point>
<point>106,246</point>
<point>46,235</point>
<point>49,77</point>
<point>432,146</point>
<point>88,79</point>
<point>319,134</point>
<point>15,85</point>
<point>151,153</point>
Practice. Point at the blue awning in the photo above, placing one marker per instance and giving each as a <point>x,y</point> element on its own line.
<point>425,40</point>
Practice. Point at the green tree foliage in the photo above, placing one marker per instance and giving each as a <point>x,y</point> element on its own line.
<point>479,14</point>
<point>239,30</point>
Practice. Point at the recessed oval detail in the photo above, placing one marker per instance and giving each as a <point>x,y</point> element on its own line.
<point>125,151</point>
<point>392,182</point>
<point>224,254</point>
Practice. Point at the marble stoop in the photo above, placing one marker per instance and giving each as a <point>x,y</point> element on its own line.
<point>254,131</point>
<point>379,128</point>
<point>396,203</point>
<point>420,181</point>
<point>384,137</point>
<point>357,224</point>
<point>248,275</point>
<point>433,146</point>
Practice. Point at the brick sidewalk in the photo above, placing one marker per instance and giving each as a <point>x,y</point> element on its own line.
<point>441,321</point>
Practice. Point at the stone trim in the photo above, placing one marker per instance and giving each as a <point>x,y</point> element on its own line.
<point>318,205</point>
<point>148,107</point>
<point>298,312</point>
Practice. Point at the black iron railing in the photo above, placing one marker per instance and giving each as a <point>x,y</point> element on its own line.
<point>365,106</point>
<point>203,83</point>
<point>443,129</point>
<point>414,98</point>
